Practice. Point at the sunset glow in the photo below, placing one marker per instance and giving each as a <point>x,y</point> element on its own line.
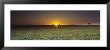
<point>56,25</point>
<point>55,17</point>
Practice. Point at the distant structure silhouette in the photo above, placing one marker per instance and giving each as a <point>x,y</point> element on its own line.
<point>59,24</point>
<point>89,23</point>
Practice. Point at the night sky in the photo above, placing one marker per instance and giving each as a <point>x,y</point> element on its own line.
<point>55,17</point>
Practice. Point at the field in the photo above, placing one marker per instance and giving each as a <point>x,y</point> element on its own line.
<point>50,32</point>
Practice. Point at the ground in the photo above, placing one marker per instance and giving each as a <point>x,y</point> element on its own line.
<point>69,32</point>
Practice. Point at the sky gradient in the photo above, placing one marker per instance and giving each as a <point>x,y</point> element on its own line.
<point>63,17</point>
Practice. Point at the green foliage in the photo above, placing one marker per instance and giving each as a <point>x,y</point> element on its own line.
<point>64,33</point>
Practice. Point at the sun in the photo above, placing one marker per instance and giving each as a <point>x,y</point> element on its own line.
<point>56,24</point>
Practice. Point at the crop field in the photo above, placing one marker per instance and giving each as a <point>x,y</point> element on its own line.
<point>50,32</point>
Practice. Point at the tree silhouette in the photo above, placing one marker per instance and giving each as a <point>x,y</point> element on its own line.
<point>89,23</point>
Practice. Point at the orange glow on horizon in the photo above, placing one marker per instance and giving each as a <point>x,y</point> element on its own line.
<point>56,25</point>
<point>56,22</point>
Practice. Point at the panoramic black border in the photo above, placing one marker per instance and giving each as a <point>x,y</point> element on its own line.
<point>2,2</point>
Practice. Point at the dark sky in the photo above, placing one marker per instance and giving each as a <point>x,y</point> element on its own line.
<point>54,17</point>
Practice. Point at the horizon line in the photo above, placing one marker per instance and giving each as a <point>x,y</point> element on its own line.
<point>83,24</point>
